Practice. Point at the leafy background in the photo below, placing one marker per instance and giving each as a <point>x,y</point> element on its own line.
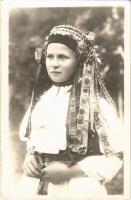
<point>28,28</point>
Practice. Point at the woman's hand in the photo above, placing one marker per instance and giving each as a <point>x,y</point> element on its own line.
<point>31,166</point>
<point>57,172</point>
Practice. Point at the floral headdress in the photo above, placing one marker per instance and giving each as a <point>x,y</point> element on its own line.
<point>83,41</point>
<point>84,110</point>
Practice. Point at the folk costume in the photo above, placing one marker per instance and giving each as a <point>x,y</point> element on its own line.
<point>74,122</point>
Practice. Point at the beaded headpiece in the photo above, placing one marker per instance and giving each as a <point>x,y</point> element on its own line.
<point>84,111</point>
<point>83,40</point>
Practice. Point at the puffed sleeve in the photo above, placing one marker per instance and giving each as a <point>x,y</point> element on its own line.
<point>115,131</point>
<point>104,167</point>
<point>23,126</point>
<point>101,167</point>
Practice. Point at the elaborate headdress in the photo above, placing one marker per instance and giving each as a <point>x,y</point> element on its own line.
<point>84,110</point>
<point>84,41</point>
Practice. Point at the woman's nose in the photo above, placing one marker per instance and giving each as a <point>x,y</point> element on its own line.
<point>55,63</point>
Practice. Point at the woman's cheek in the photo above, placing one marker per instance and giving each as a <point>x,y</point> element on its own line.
<point>48,65</point>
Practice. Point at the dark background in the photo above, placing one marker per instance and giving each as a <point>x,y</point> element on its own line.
<point>28,28</point>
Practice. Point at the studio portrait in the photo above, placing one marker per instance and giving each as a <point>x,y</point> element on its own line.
<point>66,102</point>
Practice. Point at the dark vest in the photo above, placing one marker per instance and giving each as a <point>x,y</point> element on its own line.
<point>93,143</point>
<point>93,147</point>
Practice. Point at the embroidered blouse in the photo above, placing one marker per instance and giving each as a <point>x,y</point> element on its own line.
<point>48,131</point>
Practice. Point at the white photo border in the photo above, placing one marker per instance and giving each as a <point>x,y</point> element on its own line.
<point>4,88</point>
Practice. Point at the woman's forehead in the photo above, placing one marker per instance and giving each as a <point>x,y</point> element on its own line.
<point>58,48</point>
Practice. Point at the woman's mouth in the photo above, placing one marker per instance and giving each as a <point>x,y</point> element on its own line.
<point>56,72</point>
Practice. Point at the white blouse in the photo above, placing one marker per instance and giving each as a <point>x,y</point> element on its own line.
<point>48,131</point>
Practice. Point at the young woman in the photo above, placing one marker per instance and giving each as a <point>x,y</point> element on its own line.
<point>73,135</point>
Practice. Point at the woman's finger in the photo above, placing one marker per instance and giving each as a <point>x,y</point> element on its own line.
<point>35,164</point>
<point>27,172</point>
<point>34,170</point>
<point>31,171</point>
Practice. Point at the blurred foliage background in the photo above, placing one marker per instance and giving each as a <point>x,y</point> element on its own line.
<point>28,28</point>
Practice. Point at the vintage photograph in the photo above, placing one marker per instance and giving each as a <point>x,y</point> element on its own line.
<point>63,134</point>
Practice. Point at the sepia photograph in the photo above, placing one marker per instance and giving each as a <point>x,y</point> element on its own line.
<point>65,100</point>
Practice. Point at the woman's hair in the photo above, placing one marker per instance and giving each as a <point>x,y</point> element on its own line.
<point>63,39</point>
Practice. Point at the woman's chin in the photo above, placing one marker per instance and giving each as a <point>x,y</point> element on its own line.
<point>57,80</point>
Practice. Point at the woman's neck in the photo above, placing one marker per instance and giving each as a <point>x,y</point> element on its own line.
<point>66,83</point>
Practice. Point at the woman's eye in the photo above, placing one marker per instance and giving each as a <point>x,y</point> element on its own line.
<point>49,56</point>
<point>63,57</point>
<point>60,57</point>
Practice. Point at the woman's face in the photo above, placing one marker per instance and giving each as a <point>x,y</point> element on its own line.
<point>60,62</point>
